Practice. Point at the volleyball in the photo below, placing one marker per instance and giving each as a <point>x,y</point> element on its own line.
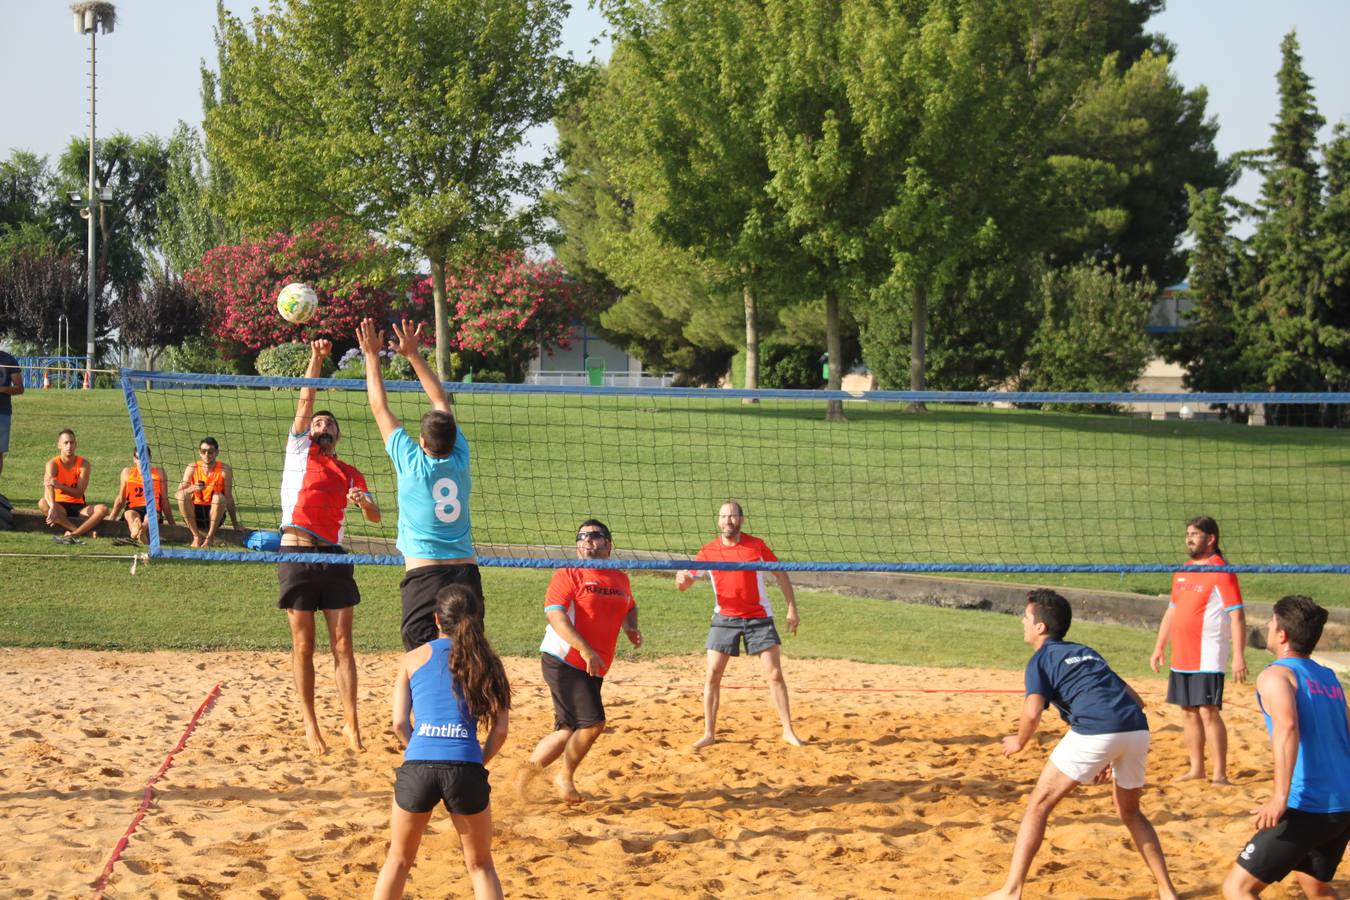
<point>297,303</point>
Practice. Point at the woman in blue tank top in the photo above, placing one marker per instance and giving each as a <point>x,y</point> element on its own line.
<point>443,691</point>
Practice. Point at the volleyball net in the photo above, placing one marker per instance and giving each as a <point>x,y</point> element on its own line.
<point>979,482</point>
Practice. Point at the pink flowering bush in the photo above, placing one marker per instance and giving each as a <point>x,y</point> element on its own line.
<point>503,312</point>
<point>240,283</point>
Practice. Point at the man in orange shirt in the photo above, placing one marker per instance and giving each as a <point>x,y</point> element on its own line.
<point>131,497</point>
<point>742,613</point>
<point>64,481</point>
<point>585,609</point>
<point>1204,623</point>
<point>206,494</point>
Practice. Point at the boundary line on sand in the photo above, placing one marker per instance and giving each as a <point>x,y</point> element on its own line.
<point>148,794</point>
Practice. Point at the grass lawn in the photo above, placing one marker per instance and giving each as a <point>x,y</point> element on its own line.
<point>78,600</point>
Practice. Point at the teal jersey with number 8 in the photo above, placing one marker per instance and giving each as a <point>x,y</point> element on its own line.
<point>433,498</point>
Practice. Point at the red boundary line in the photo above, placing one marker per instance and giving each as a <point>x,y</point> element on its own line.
<point>148,794</point>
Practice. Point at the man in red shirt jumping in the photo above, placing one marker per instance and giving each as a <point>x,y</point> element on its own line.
<point>742,613</point>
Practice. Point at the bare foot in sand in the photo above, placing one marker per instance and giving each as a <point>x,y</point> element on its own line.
<point>1221,779</point>
<point>315,741</point>
<point>567,791</point>
<point>1190,776</point>
<point>792,739</point>
<point>353,736</point>
<point>1001,894</point>
<point>525,782</point>
<point>704,741</point>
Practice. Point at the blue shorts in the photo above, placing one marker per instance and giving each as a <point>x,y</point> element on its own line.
<point>4,433</point>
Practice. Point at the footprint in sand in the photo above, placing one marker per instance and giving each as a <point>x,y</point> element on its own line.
<point>30,733</point>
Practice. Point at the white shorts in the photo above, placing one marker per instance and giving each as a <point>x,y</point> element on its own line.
<point>1083,756</point>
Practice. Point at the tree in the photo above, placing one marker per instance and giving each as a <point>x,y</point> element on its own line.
<point>1288,344</point>
<point>163,311</point>
<point>188,226</point>
<point>1211,344</point>
<point>403,118</point>
<point>1335,253</point>
<point>39,285</point>
<point>239,283</point>
<point>25,188</point>
<point>133,171</point>
<point>1092,335</point>
<point>508,311</point>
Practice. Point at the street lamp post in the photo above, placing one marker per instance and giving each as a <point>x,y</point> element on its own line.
<point>89,18</point>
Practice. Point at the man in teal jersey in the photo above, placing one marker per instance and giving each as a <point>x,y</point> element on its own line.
<point>433,486</point>
<point>1305,825</point>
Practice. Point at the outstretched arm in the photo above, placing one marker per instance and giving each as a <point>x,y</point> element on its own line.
<point>304,408</point>
<point>370,341</point>
<point>409,340</point>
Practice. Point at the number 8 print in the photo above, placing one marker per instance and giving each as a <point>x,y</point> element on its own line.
<point>445,496</point>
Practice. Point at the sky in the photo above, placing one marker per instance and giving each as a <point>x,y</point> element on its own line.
<point>148,68</point>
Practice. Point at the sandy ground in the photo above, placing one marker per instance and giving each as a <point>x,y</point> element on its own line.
<point>900,792</point>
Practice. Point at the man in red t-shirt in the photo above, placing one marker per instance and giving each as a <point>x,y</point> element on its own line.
<point>316,489</point>
<point>741,613</point>
<point>585,609</point>
<point>1205,625</point>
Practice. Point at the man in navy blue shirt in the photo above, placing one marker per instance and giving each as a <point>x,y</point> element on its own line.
<point>1107,733</point>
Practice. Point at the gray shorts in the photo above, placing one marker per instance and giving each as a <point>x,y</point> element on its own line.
<point>726,634</point>
<point>4,434</point>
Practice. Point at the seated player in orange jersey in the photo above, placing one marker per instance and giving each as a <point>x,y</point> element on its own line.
<point>64,481</point>
<point>131,503</point>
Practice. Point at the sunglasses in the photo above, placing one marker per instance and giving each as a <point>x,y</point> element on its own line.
<point>592,536</point>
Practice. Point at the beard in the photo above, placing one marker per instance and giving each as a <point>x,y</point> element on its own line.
<point>324,442</point>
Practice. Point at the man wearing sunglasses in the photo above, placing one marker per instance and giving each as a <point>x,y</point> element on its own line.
<point>434,534</point>
<point>207,490</point>
<point>585,610</point>
<point>742,613</point>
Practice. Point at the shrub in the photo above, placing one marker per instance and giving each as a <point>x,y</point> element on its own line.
<point>199,354</point>
<point>288,361</point>
<point>791,368</point>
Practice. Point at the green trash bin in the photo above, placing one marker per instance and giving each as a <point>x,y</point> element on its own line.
<point>595,371</point>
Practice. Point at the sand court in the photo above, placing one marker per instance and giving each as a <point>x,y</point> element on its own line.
<point>900,792</point>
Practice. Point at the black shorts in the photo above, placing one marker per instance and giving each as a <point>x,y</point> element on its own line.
<point>1312,843</point>
<point>1195,689</point>
<point>308,587</point>
<point>140,511</point>
<point>202,514</point>
<point>73,510</point>
<point>462,786</point>
<point>418,590</point>
<point>726,634</point>
<point>576,695</point>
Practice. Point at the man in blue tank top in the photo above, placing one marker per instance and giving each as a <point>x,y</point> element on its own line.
<point>1305,825</point>
<point>433,486</point>
<point>1108,736</point>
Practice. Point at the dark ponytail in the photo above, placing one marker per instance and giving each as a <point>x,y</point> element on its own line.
<point>475,668</point>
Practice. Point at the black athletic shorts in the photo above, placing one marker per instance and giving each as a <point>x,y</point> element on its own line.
<point>726,634</point>
<point>202,513</point>
<point>1312,843</point>
<point>1195,689</point>
<point>418,590</point>
<point>140,511</point>
<point>73,510</point>
<point>462,786</point>
<point>576,695</point>
<point>314,586</point>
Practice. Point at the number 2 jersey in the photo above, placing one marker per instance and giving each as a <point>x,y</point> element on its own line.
<point>433,498</point>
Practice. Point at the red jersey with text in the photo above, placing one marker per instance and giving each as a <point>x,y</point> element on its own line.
<point>314,490</point>
<point>135,489</point>
<point>739,595</point>
<point>67,479</point>
<point>213,477</point>
<point>596,602</point>
<point>1201,602</point>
